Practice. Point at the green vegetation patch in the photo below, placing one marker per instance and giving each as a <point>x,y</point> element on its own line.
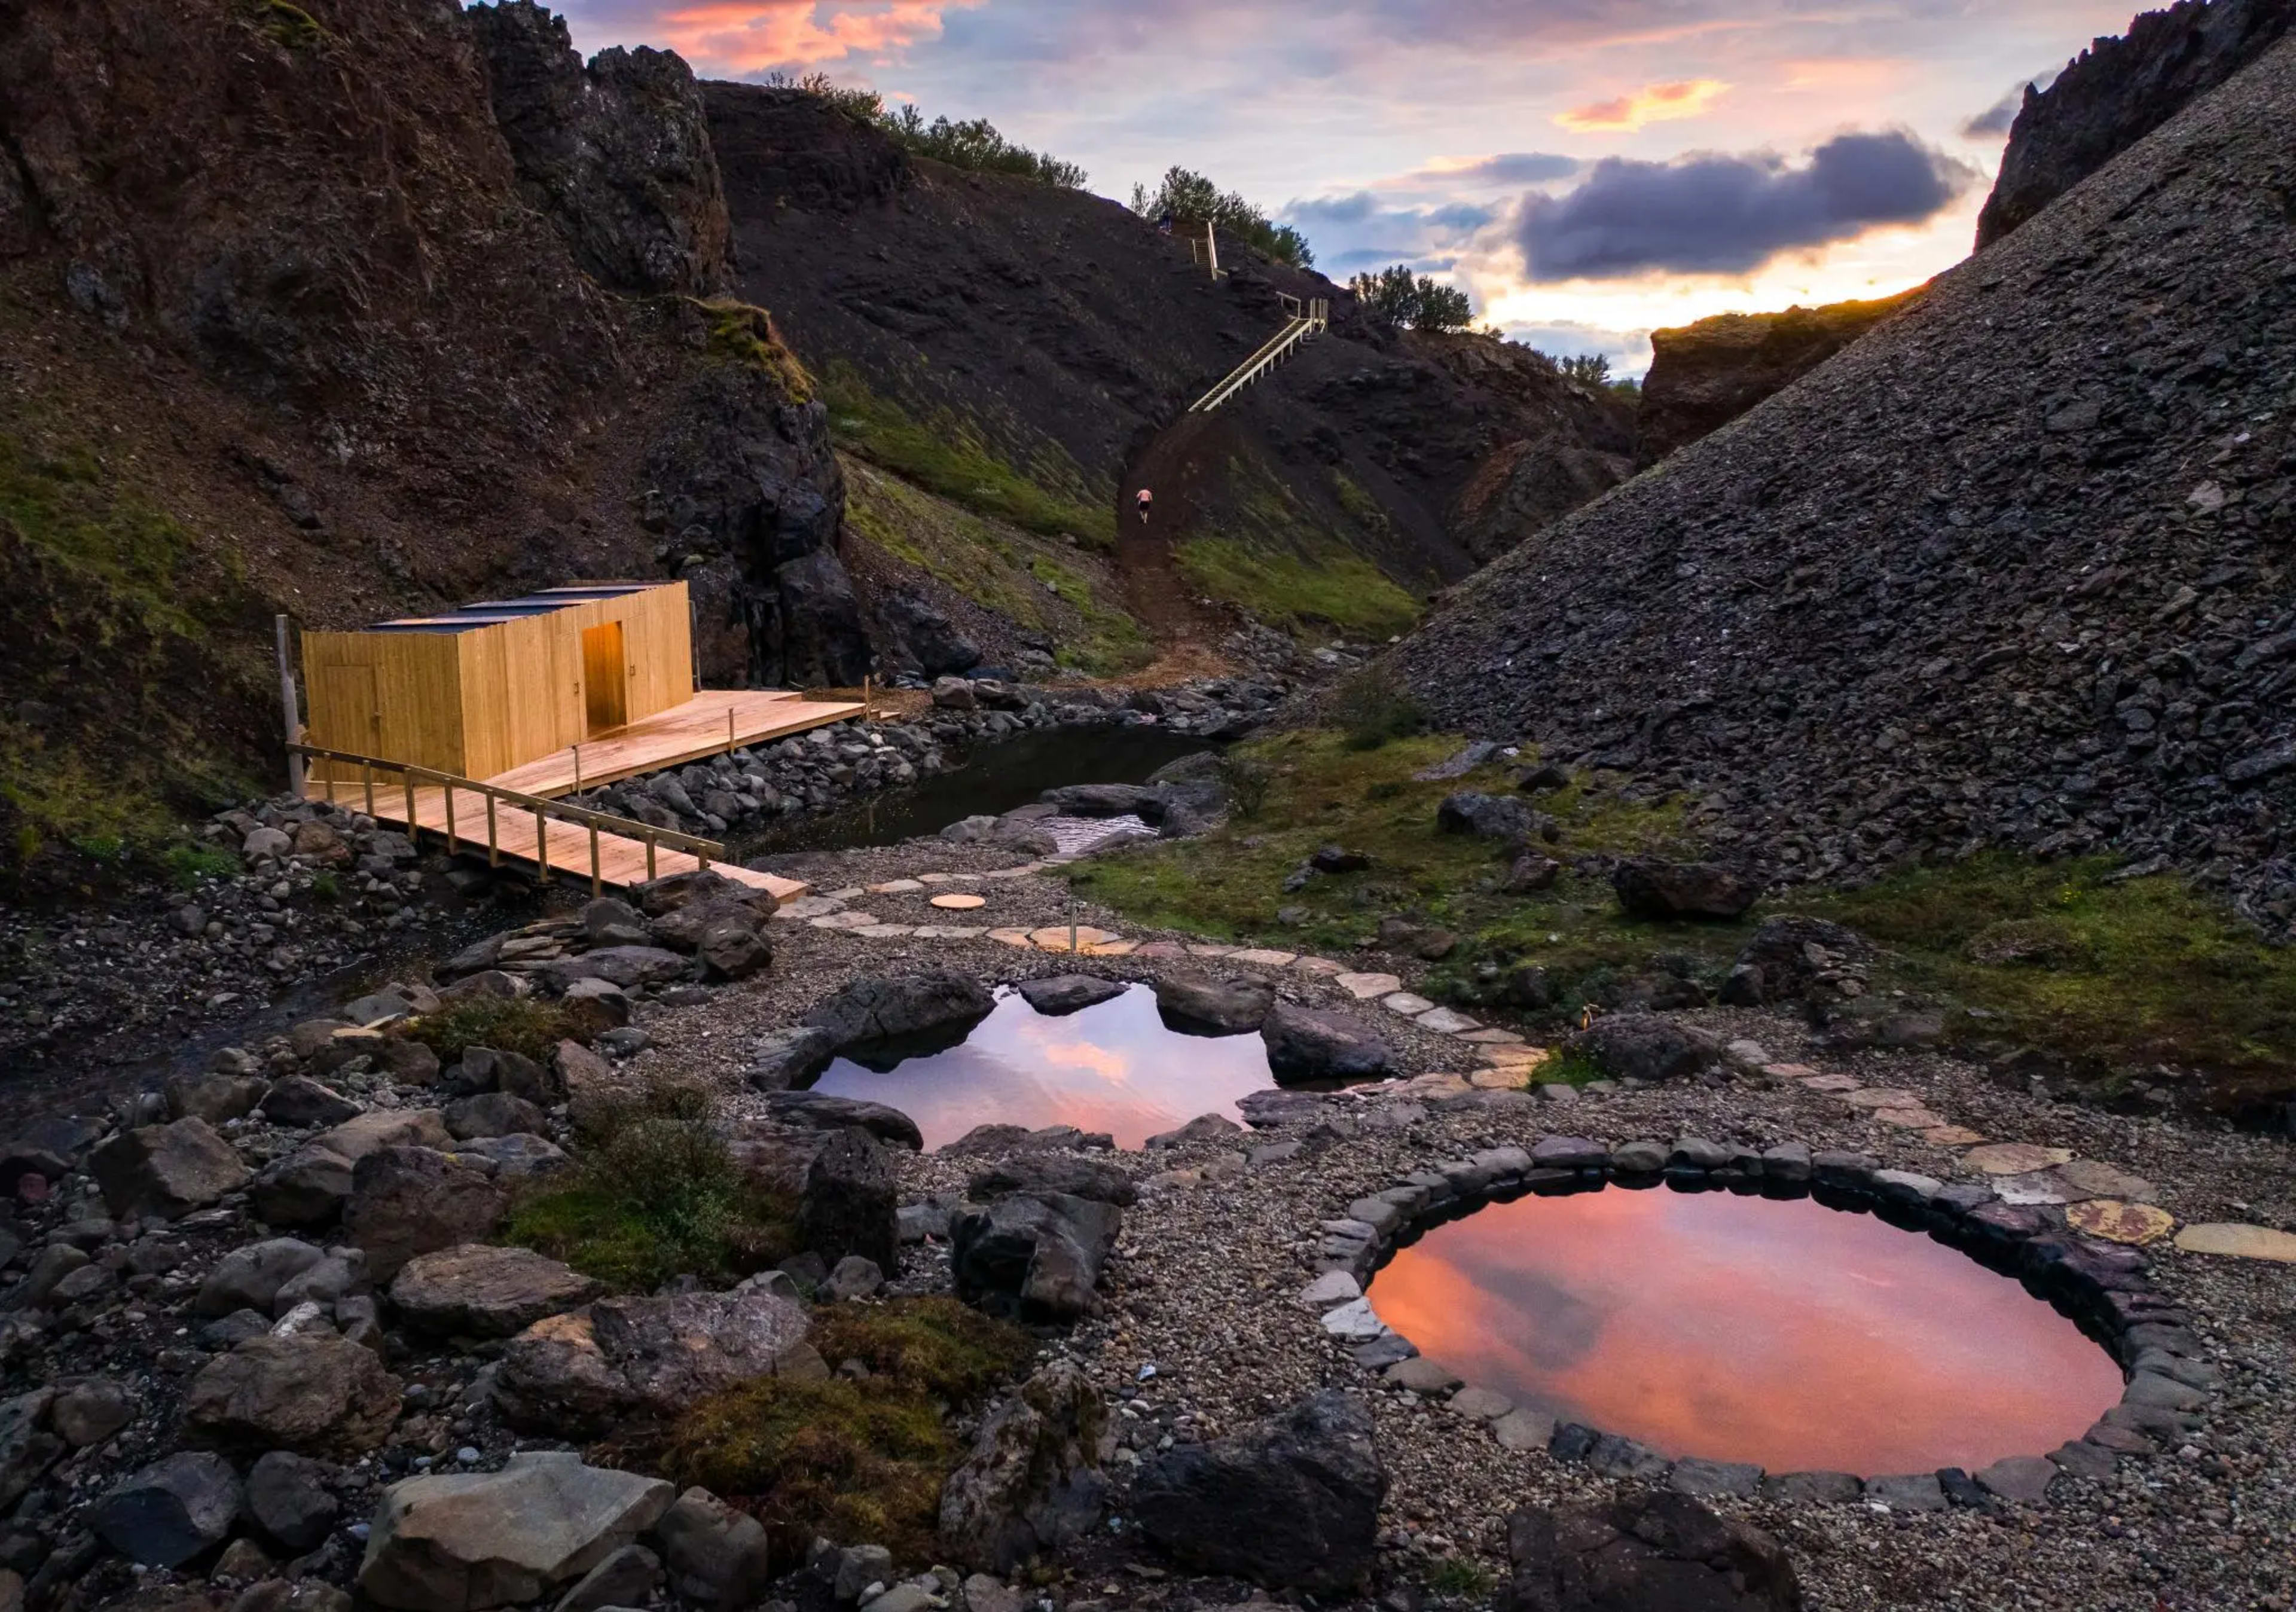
<point>1336,588</point>
<point>851,1461</point>
<point>655,1193</point>
<point>948,456</point>
<point>745,335</point>
<point>524,1024</point>
<point>289,25</point>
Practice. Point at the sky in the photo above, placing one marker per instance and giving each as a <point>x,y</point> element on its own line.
<point>1588,169</point>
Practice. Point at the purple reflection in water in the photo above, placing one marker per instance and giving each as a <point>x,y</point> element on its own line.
<point>1742,1329</point>
<point>1112,1067</point>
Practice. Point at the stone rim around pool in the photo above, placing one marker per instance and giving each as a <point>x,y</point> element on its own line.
<point>2104,1288</point>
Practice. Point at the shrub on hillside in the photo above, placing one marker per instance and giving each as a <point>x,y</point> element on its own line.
<point>1193,200</point>
<point>974,144</point>
<point>1419,302</point>
<point>508,1024</point>
<point>1369,709</point>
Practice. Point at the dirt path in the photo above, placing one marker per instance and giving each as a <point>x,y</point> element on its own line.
<point>1175,468</point>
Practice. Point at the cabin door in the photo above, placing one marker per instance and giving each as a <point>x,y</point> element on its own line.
<point>605,677</point>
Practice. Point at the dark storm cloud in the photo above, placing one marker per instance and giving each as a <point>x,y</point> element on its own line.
<point>1994,121</point>
<point>1509,168</point>
<point>1360,230</point>
<point>1716,213</point>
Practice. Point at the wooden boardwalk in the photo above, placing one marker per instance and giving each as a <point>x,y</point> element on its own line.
<point>693,731</point>
<point>711,723</point>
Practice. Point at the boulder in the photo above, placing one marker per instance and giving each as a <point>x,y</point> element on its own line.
<point>166,1170</point>
<point>1646,1046</point>
<point>492,1114</point>
<point>609,922</point>
<point>1065,994</point>
<point>1031,1485</point>
<point>1796,959</point>
<point>1650,889</point>
<point>851,1202</point>
<point>953,694</point>
<point>289,1498</point>
<point>1037,1173</point>
<point>853,1278</point>
<point>407,1201</point>
<point>311,1392</point>
<point>517,1154</point>
<point>585,1371</point>
<point>627,1578</point>
<point>1216,1129</point>
<point>921,628</point>
<point>477,1291</point>
<point>463,1542</point>
<point>298,1101</point>
<point>1514,822</point>
<point>308,1188</point>
<point>819,1111</point>
<point>1292,1502</point>
<point>733,948</point>
<point>717,1556</point>
<point>214,1098</point>
<point>933,1005</point>
<point>26,1448</point>
<point>629,967</point>
<point>1304,1044</point>
<point>682,927</point>
<point>577,1072</point>
<point>513,1074</point>
<point>250,1278</point>
<point>166,1513</point>
<point>1213,1007</point>
<point>1038,1257</point>
<point>1141,800</point>
<point>1655,1552</point>
<point>782,1060</point>
<point>90,1410</point>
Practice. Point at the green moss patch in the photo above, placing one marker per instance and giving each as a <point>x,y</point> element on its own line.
<point>289,25</point>
<point>524,1024</point>
<point>933,1345</point>
<point>1336,588</point>
<point>655,1193</point>
<point>744,335</point>
<point>950,457</point>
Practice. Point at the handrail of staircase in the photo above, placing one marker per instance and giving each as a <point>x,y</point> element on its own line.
<point>703,851</point>
<point>1253,367</point>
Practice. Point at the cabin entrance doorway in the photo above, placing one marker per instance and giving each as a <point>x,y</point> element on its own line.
<point>605,678</point>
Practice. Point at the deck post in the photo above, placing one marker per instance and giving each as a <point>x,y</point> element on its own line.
<point>597,887</point>
<point>729,727</point>
<point>494,850</point>
<point>541,848</point>
<point>287,708</point>
<point>413,822</point>
<point>578,769</point>
<point>366,775</point>
<point>650,843</point>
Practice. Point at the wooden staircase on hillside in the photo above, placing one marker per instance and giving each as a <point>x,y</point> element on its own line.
<point>1309,319</point>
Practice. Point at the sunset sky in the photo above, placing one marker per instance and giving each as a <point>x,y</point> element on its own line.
<point>1587,168</point>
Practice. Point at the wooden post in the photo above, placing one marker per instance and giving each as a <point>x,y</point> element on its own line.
<point>541,848</point>
<point>366,775</point>
<point>578,769</point>
<point>494,848</point>
<point>413,822</point>
<point>287,708</point>
<point>729,727</point>
<point>650,849</point>
<point>596,887</point>
<point>450,819</point>
<point>866,715</point>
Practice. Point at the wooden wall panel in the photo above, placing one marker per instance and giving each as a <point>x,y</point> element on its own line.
<point>415,711</point>
<point>522,691</point>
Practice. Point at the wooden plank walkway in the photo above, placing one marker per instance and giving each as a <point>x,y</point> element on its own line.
<point>691,732</point>
<point>622,861</point>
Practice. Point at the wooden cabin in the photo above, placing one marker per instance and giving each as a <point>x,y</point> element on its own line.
<point>481,690</point>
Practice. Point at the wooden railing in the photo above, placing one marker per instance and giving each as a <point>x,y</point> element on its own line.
<point>411,778</point>
<point>1310,318</point>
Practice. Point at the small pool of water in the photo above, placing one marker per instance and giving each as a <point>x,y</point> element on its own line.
<point>1113,1067</point>
<point>993,780</point>
<point>1746,1328</point>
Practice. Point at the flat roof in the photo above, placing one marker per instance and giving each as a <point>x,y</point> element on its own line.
<point>491,612</point>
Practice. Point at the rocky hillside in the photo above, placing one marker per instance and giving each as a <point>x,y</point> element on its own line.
<point>1029,351</point>
<point>1704,375</point>
<point>2117,92</point>
<point>2011,570</point>
<point>375,351</point>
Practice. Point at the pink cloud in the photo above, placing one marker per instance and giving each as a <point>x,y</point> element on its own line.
<point>746,36</point>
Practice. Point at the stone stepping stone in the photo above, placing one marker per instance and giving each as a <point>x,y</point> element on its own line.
<point>1112,948</point>
<point>1520,1429</point>
<point>1483,1405</point>
<point>1356,1323</point>
<point>1817,1083</point>
<point>1492,1036</point>
<point>886,931</point>
<point>943,932</point>
<point>1510,1057</point>
<point>2090,1179</point>
<point>1163,948</point>
<point>2014,1158</point>
<point>807,906</point>
<point>844,920</point>
<point>948,878</point>
<point>2118,1222</point>
<point>1331,1288</point>
<point>1804,1073</point>
<point>2037,1186</point>
<point>1012,937</point>
<point>1259,959</point>
<point>1407,1005</point>
<point>896,887</point>
<point>1882,1097</point>
<point>2234,1240</point>
<point>1063,938</point>
<point>853,892</point>
<point>1447,1021</point>
<point>1438,1085</point>
<point>1322,967</point>
<point>1206,949</point>
<point>1362,987</point>
<point>1909,1119</point>
<point>1020,872</point>
<point>1513,1079</point>
<point>960,904</point>
<point>1952,1136</point>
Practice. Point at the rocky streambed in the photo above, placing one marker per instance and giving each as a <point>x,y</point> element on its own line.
<point>267,1344</point>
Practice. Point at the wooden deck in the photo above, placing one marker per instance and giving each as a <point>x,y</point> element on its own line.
<point>622,861</point>
<point>698,728</point>
<point>708,724</point>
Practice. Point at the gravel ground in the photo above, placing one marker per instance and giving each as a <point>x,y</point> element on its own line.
<point>1202,1289</point>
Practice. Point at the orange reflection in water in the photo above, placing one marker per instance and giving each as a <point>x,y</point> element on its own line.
<point>1113,1067</point>
<point>1742,1329</point>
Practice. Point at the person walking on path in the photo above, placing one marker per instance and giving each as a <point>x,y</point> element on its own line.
<point>1142,500</point>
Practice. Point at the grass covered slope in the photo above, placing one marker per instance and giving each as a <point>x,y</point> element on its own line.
<point>2114,974</point>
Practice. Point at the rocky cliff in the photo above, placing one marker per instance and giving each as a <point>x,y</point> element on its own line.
<point>2118,91</point>
<point>1704,375</point>
<point>2011,570</point>
<point>287,323</point>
